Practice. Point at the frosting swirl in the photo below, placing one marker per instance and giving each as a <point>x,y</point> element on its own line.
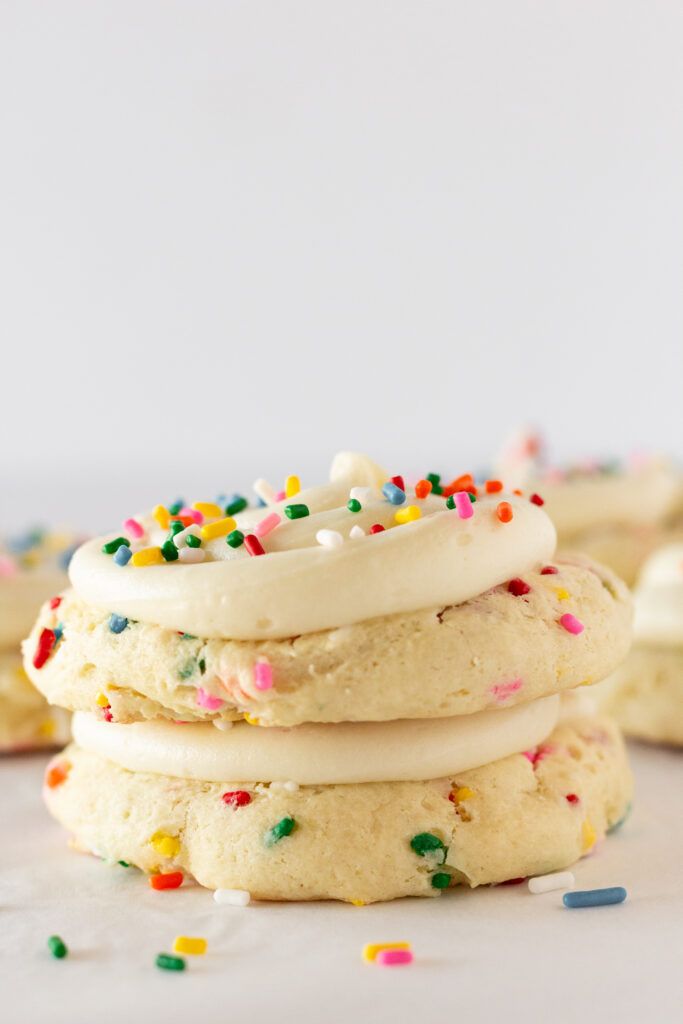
<point>659,598</point>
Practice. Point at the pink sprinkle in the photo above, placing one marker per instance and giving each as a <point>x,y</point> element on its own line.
<point>463,504</point>
<point>194,515</point>
<point>572,624</point>
<point>8,567</point>
<point>263,675</point>
<point>132,527</point>
<point>267,525</point>
<point>501,691</point>
<point>393,957</point>
<point>538,753</point>
<point>207,700</point>
<point>281,495</point>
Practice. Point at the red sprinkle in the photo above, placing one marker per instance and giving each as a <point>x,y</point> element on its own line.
<point>423,488</point>
<point>537,499</point>
<point>55,602</point>
<point>171,880</point>
<point>377,528</point>
<point>572,798</point>
<point>253,545</point>
<point>236,798</point>
<point>46,642</point>
<point>548,570</point>
<point>400,483</point>
<point>518,587</point>
<point>512,881</point>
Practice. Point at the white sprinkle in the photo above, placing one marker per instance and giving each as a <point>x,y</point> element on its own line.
<point>222,724</point>
<point>180,539</point>
<point>289,787</point>
<point>329,538</point>
<point>232,897</point>
<point>547,883</point>
<point>264,491</point>
<point>191,555</point>
<point>356,532</point>
<point>362,494</point>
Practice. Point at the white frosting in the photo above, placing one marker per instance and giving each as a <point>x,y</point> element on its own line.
<point>659,598</point>
<point>312,755</point>
<point>300,586</point>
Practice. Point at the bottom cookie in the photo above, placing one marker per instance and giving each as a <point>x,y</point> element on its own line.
<point>645,694</point>
<point>27,722</point>
<point>526,814</point>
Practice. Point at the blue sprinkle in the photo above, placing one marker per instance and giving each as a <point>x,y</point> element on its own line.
<point>117,623</point>
<point>617,824</point>
<point>393,493</point>
<point>260,503</point>
<point>59,633</point>
<point>595,897</point>
<point>123,555</point>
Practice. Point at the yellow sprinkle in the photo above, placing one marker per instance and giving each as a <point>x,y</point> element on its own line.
<point>102,700</point>
<point>463,793</point>
<point>292,486</point>
<point>221,528</point>
<point>562,594</point>
<point>371,949</point>
<point>148,556</point>
<point>167,846</point>
<point>185,944</point>
<point>358,903</point>
<point>408,514</point>
<point>586,682</point>
<point>588,836</point>
<point>162,516</point>
<point>208,508</point>
<point>47,729</point>
<point>250,719</point>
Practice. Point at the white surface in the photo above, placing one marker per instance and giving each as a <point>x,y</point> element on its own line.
<point>237,236</point>
<point>489,955</point>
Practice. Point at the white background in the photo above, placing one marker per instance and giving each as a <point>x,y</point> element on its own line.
<point>237,236</point>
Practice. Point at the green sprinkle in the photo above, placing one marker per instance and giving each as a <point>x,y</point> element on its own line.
<point>450,501</point>
<point>235,538</point>
<point>238,504</point>
<point>296,511</point>
<point>187,636</point>
<point>112,546</point>
<point>57,947</point>
<point>425,842</point>
<point>441,880</point>
<point>169,551</point>
<point>202,665</point>
<point>170,963</point>
<point>124,863</point>
<point>176,506</point>
<point>353,505</point>
<point>188,669</point>
<point>192,541</point>
<point>473,497</point>
<point>175,527</point>
<point>284,827</point>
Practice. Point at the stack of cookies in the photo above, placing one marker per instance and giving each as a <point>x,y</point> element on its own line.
<point>351,693</point>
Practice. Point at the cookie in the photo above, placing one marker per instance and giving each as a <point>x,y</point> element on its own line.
<point>26,721</point>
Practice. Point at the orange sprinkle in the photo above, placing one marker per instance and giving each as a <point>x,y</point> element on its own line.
<point>185,520</point>
<point>461,483</point>
<point>504,511</point>
<point>169,880</point>
<point>518,492</point>
<point>423,488</point>
<point>57,774</point>
<point>493,486</point>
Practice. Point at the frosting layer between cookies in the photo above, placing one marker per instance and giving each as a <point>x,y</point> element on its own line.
<point>659,598</point>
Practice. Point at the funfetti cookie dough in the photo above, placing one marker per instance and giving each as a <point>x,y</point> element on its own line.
<point>32,568</point>
<point>645,694</point>
<point>350,693</point>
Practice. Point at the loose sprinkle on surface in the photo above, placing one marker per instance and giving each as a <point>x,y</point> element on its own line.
<point>394,957</point>
<point>57,947</point>
<point>170,963</point>
<point>232,897</point>
<point>189,944</point>
<point>371,949</point>
<point>594,897</point>
<point>166,880</point>
<point>548,883</point>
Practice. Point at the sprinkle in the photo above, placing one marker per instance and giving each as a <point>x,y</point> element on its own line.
<point>170,963</point>
<point>236,798</point>
<point>517,587</point>
<point>408,514</point>
<point>55,603</point>
<point>162,516</point>
<point>292,486</point>
<point>353,505</point>
<point>235,539</point>
<point>284,827</point>
<point>502,691</point>
<point>123,555</point>
<point>572,798</point>
<point>426,842</point>
<point>208,509</point>
<point>588,836</point>
<point>461,483</point>
<point>361,494</point>
<point>357,903</point>
<point>169,551</point>
<point>571,624</point>
<point>394,957</point>
<point>493,486</point>
<point>235,505</point>
<point>207,700</point>
<point>548,883</point>
<point>264,491</point>
<point>536,499</point>
<point>253,545</point>
<point>117,623</point>
<point>191,555</point>
<point>395,495</point>
<point>232,897</point>
<point>504,511</point>
<point>192,540</point>
<point>112,546</point>
<point>166,845</point>
<point>518,492</point>
<point>461,794</point>
<point>263,675</point>
<point>166,880</point>
<point>221,528</point>
<point>102,700</point>
<point>185,520</point>
<point>441,880</point>
<point>148,556</point>
<point>46,642</point>
<point>356,532</point>
<point>56,774</point>
<point>377,528</point>
<point>371,949</point>
<point>329,538</point>
<point>175,527</point>
<point>399,482</point>
<point>548,570</point>
<point>175,506</point>
<point>423,488</point>
<point>186,944</point>
<point>133,527</point>
<point>251,719</point>
<point>296,511</point>
<point>620,821</point>
<point>562,594</point>
<point>267,525</point>
<point>57,947</point>
<point>193,514</point>
<point>594,897</point>
<point>463,505</point>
